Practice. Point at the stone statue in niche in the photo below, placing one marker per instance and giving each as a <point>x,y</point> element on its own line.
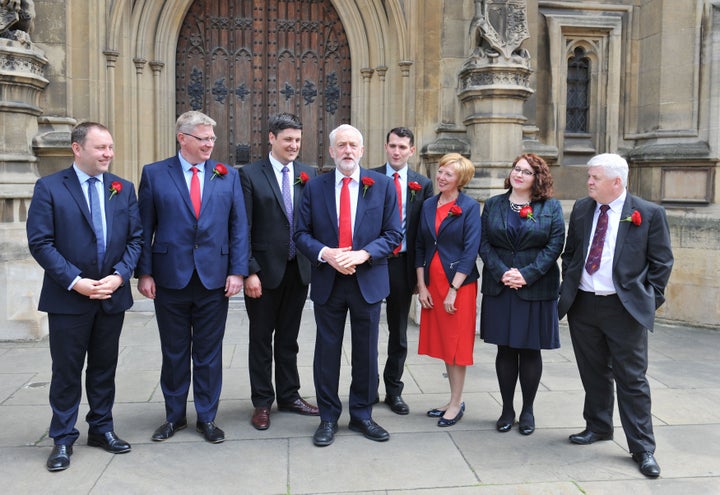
<point>17,19</point>
<point>498,29</point>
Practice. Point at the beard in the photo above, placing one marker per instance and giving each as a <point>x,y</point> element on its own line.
<point>347,165</point>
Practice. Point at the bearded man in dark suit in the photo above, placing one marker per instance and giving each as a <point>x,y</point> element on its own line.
<point>615,267</point>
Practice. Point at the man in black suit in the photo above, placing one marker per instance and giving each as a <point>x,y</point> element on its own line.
<point>84,230</point>
<point>615,267</point>
<point>412,189</point>
<point>276,289</point>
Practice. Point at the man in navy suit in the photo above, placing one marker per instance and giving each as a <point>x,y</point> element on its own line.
<point>610,294</point>
<point>412,189</point>
<point>194,257</point>
<point>276,289</point>
<point>84,230</point>
<point>348,225</point>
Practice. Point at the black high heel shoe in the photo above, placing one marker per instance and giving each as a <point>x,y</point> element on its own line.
<point>527,424</point>
<point>442,422</point>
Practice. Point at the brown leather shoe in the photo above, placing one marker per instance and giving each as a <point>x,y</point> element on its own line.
<point>261,418</point>
<point>300,406</point>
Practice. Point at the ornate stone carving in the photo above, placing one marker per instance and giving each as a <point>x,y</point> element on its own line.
<point>16,20</point>
<point>497,31</point>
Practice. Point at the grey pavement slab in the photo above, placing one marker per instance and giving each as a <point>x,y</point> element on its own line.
<point>420,458</point>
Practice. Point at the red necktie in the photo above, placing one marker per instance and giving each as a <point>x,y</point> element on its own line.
<point>593,260</point>
<point>195,191</point>
<point>399,196</point>
<point>345,224</point>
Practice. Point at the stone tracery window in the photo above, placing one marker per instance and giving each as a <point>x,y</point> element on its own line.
<point>578,92</point>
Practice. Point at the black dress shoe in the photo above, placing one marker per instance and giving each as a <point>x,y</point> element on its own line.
<point>504,425</point>
<point>210,431</point>
<point>168,429</point>
<point>647,464</point>
<point>300,406</point>
<point>586,437</point>
<point>443,421</point>
<point>108,441</point>
<point>397,404</point>
<point>370,429</point>
<point>59,458</point>
<point>325,433</point>
<point>527,424</point>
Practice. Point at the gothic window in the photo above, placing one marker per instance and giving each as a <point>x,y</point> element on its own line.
<point>578,92</point>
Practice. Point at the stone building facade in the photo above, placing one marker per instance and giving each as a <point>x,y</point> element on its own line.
<point>489,78</point>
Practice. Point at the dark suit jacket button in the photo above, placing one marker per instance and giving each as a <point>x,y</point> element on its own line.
<point>195,246</point>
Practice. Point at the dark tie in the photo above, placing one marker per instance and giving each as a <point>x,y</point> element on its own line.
<point>288,207</point>
<point>195,191</point>
<point>593,260</point>
<point>345,224</point>
<point>398,190</point>
<point>96,215</point>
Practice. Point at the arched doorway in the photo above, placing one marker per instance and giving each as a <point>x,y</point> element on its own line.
<point>241,61</point>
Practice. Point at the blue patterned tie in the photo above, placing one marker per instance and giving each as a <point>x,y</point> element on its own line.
<point>96,214</point>
<point>288,208</point>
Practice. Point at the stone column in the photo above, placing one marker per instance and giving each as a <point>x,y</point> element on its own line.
<point>494,83</point>
<point>21,83</point>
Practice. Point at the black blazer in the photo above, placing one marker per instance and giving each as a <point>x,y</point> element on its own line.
<point>269,226</point>
<point>415,200</point>
<point>642,261</point>
<point>535,253</point>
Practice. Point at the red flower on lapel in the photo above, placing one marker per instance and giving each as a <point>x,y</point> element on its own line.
<point>527,212</point>
<point>414,187</point>
<point>367,182</point>
<point>302,179</point>
<point>115,188</point>
<point>455,211</point>
<point>219,171</point>
<point>635,218</point>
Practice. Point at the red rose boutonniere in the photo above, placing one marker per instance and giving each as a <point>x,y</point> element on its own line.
<point>367,182</point>
<point>219,171</point>
<point>635,218</point>
<point>302,179</point>
<point>115,188</point>
<point>414,187</point>
<point>455,211</point>
<point>527,212</point>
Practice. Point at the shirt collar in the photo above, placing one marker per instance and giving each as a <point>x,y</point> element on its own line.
<point>339,176</point>
<point>278,166</point>
<point>83,177</point>
<point>617,204</point>
<point>389,171</point>
<point>186,165</point>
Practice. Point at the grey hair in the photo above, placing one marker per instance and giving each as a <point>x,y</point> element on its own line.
<point>188,121</point>
<point>613,164</point>
<point>344,127</point>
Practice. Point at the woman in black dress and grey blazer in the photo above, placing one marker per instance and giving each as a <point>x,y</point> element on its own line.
<point>523,234</point>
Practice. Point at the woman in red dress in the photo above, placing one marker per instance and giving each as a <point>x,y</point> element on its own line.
<point>446,251</point>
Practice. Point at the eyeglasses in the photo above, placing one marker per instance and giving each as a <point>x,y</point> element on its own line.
<point>524,171</point>
<point>206,140</point>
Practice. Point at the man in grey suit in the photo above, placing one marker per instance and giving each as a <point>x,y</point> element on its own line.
<point>276,289</point>
<point>615,267</point>
<point>412,189</point>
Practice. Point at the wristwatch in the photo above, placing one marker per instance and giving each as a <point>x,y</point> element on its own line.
<point>453,287</point>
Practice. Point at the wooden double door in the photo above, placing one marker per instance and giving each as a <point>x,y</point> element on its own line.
<point>240,61</point>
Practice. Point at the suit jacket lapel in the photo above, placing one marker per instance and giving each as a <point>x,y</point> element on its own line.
<point>429,215</point>
<point>623,228</point>
<point>73,185</point>
<point>269,173</point>
<point>178,178</point>
<point>109,207</point>
<point>329,198</point>
<point>587,226</point>
<point>361,202</point>
<point>450,218</point>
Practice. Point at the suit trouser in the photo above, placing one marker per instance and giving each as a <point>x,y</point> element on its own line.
<point>277,311</point>
<point>364,321</point>
<point>191,322</point>
<point>398,307</point>
<point>72,338</point>
<point>609,344</point>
